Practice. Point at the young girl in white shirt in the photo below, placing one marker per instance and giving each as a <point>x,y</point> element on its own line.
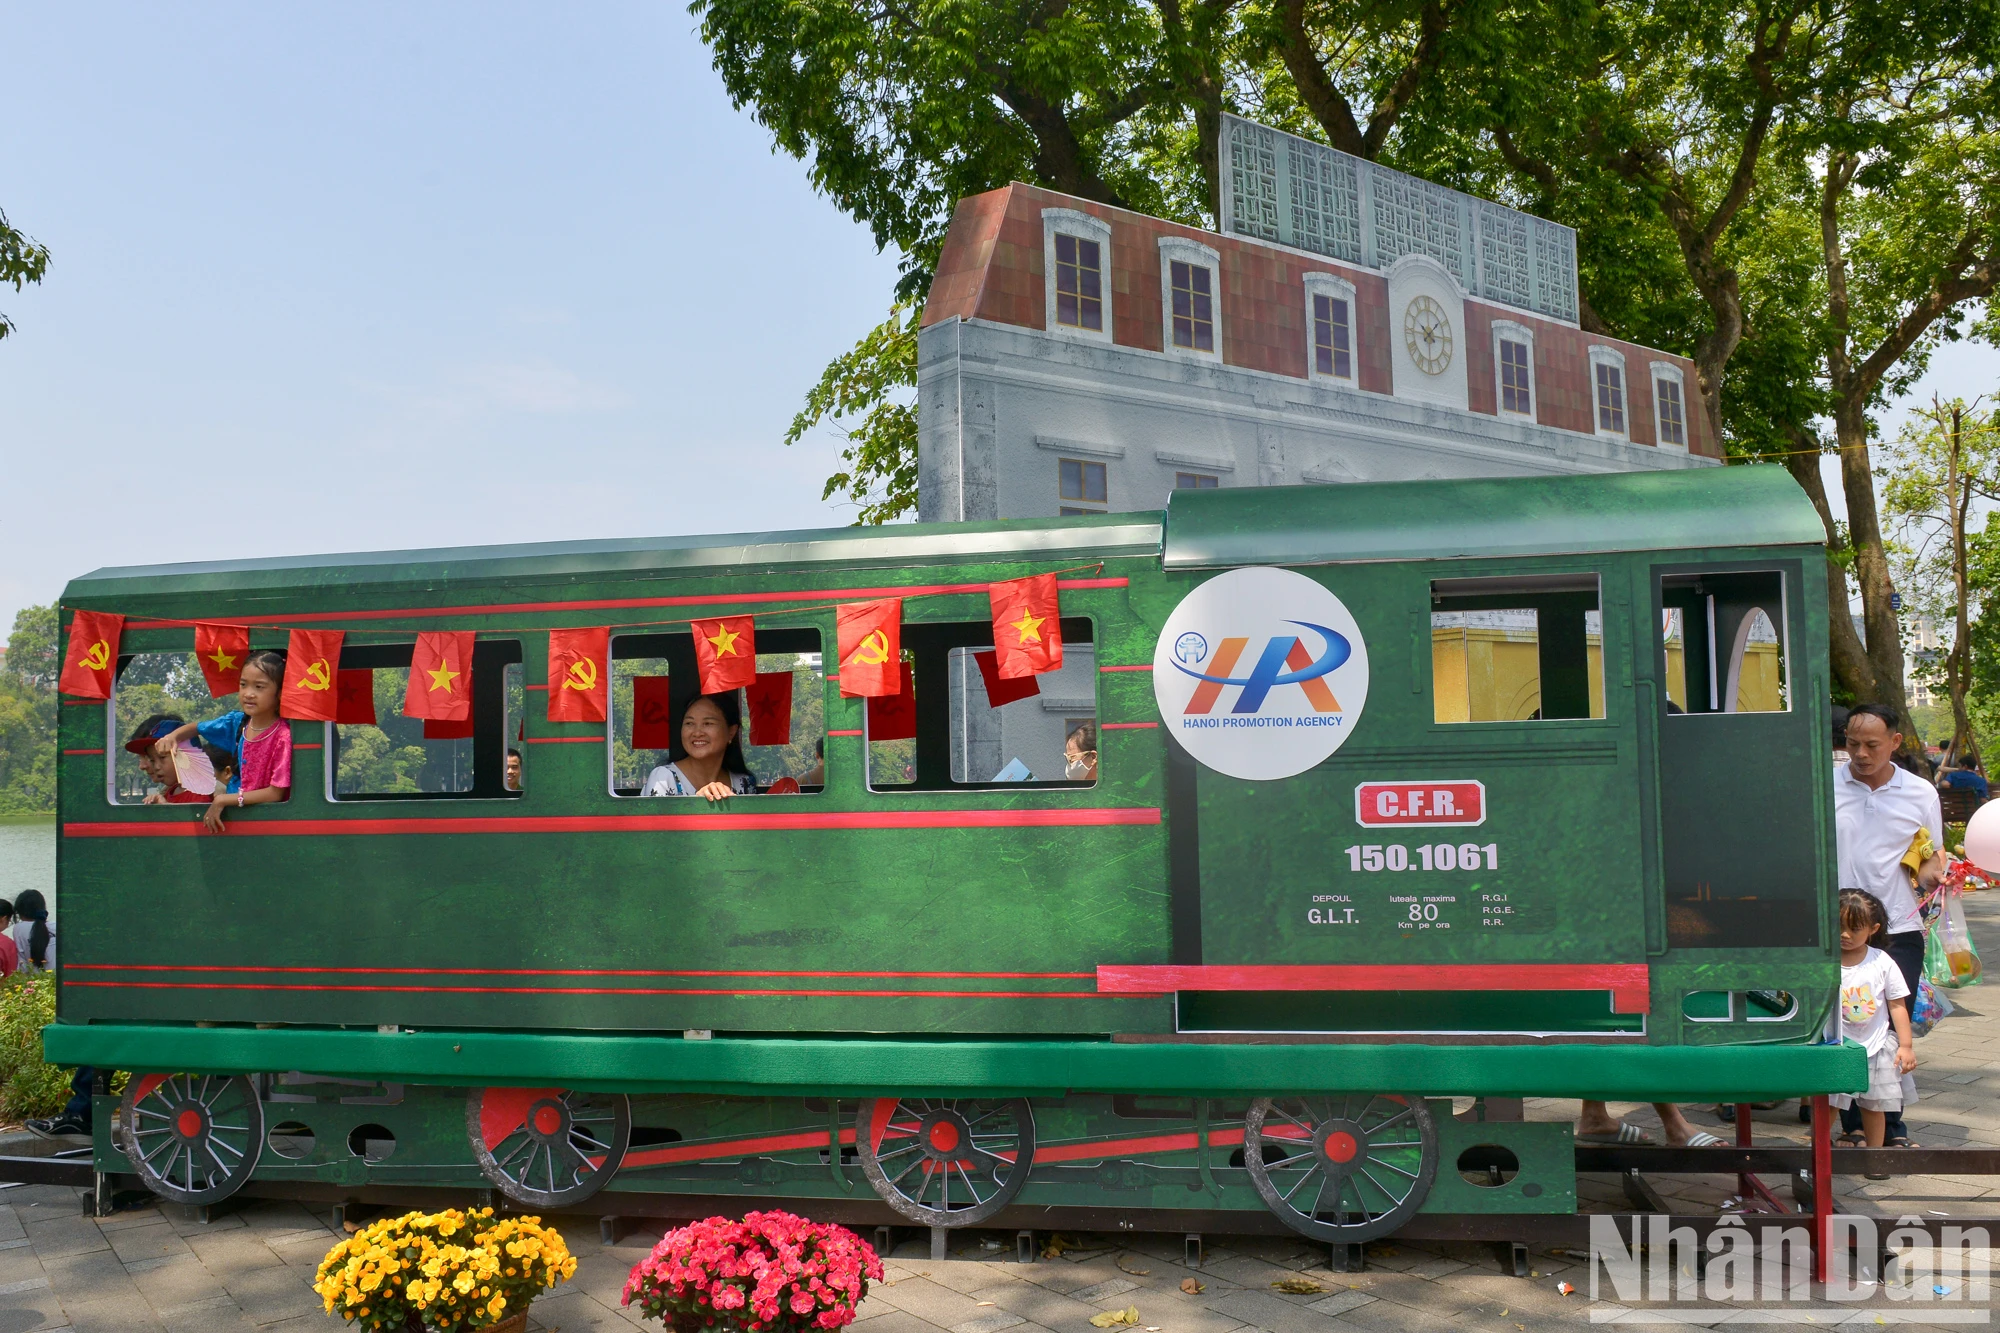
<point>1875,1013</point>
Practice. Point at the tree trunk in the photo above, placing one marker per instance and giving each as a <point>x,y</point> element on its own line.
<point>1958,665</point>
<point>1851,666</point>
<point>1871,560</point>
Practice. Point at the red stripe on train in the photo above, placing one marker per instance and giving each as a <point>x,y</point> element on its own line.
<point>606,990</point>
<point>569,972</point>
<point>1629,983</point>
<point>1096,816</point>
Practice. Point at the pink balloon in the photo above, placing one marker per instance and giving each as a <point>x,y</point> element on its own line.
<point>1982,838</point>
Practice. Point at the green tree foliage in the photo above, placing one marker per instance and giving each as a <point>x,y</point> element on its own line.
<point>874,387</point>
<point>28,714</point>
<point>1946,458</point>
<point>22,261</point>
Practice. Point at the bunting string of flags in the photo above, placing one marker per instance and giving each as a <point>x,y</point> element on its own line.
<point>1027,639</point>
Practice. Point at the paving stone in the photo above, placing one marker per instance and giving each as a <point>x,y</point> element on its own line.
<point>117,1315</point>
<point>91,1275</point>
<point>990,1322</point>
<point>1340,1302</point>
<point>1273,1312</point>
<point>1103,1291</point>
<point>271,1293</point>
<point>140,1244</point>
<point>927,1300</point>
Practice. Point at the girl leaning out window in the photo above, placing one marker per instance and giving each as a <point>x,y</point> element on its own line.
<point>254,736</point>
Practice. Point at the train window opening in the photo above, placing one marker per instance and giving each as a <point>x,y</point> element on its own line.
<point>156,688</point>
<point>782,721</point>
<point>514,697</point>
<point>1516,649</point>
<point>380,754</point>
<point>1722,650</point>
<point>964,726</point>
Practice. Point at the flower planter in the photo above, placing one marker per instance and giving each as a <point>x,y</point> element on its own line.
<point>770,1273</point>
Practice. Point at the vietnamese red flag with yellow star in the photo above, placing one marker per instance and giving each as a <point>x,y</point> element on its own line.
<point>1027,626</point>
<point>579,674</point>
<point>356,688</point>
<point>870,639</point>
<point>770,700</point>
<point>221,650</point>
<point>312,669</point>
<point>725,654</point>
<point>91,661</point>
<point>441,677</point>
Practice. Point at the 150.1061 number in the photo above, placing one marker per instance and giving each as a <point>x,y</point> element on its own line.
<point>1431,856</point>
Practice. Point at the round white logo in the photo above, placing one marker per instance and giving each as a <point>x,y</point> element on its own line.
<point>1260,673</point>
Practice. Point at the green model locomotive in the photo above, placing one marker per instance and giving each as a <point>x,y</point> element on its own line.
<point>1346,801</point>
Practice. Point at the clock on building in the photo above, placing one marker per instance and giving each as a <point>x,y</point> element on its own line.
<point>1427,335</point>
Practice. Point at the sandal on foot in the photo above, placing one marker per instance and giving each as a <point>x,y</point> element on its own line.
<point>1630,1136</point>
<point>1852,1138</point>
<point>1900,1141</point>
<point>1703,1139</point>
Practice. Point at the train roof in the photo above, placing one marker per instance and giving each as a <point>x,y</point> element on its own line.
<point>1489,516</point>
<point>1281,525</point>
<point>1090,537</point>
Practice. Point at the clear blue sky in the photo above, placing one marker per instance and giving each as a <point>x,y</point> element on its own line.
<point>363,276</point>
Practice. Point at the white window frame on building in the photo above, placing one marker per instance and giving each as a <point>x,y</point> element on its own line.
<point>1181,250</point>
<point>1071,222</point>
<point>1666,372</point>
<point>1507,331</point>
<point>1622,428</point>
<point>1067,505</point>
<point>1338,289</point>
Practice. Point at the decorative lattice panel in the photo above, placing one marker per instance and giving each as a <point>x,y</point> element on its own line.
<point>1253,179</point>
<point>1504,264</point>
<point>1326,200</point>
<point>1555,269</point>
<point>1299,193</point>
<point>1415,217</point>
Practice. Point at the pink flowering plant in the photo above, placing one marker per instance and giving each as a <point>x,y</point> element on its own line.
<point>770,1273</point>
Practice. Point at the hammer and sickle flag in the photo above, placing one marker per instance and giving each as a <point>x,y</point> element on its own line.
<point>441,677</point>
<point>870,637</point>
<point>91,660</point>
<point>312,666</point>
<point>1027,626</point>
<point>221,650</point>
<point>579,674</point>
<point>725,652</point>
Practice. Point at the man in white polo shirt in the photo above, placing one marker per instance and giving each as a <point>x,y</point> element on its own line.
<point>1878,809</point>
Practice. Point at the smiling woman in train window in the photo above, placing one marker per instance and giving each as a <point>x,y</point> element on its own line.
<point>708,762</point>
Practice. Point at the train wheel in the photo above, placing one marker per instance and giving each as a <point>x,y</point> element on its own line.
<point>1344,1168</point>
<point>548,1147</point>
<point>945,1163</point>
<point>192,1138</point>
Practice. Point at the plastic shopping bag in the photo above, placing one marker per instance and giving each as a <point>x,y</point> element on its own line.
<point>1950,961</point>
<point>1932,1007</point>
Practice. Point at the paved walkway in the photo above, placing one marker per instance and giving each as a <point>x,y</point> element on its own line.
<point>157,1269</point>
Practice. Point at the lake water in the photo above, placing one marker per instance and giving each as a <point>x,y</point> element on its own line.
<point>28,857</point>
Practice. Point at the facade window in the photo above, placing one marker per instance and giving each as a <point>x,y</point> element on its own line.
<point>1082,484</point>
<point>1514,368</point>
<point>1195,481</point>
<point>1190,282</point>
<point>1513,376</point>
<point>1607,377</point>
<point>1079,283</point>
<point>1076,246</point>
<point>1329,326</point>
<point>1670,404</point>
<point>1194,306</point>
